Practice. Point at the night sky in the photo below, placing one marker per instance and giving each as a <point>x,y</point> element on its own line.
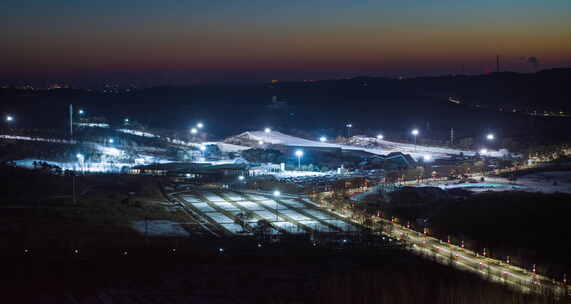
<point>249,40</point>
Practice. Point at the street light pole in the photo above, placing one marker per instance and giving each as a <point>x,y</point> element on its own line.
<point>71,121</point>
<point>276,195</point>
<point>299,154</point>
<point>349,126</point>
<point>415,134</point>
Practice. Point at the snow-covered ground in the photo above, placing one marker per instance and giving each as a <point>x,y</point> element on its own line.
<point>92,167</point>
<point>30,138</point>
<point>361,143</point>
<point>545,182</point>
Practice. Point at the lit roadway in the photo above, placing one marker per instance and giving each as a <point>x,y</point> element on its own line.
<point>491,269</point>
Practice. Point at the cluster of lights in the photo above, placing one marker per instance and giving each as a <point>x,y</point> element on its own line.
<point>194,130</point>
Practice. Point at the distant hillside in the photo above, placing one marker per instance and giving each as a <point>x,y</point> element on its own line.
<point>371,104</point>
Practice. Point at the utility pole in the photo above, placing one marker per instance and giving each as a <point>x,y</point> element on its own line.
<point>71,121</point>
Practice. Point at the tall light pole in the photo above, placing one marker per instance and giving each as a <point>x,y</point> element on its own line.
<point>80,158</point>
<point>299,154</point>
<point>415,134</point>
<point>349,126</point>
<point>71,122</point>
<point>277,194</point>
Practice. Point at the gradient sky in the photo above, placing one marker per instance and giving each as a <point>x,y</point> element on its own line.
<point>251,40</point>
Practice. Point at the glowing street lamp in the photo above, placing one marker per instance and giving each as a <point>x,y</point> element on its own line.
<point>490,136</point>
<point>260,142</point>
<point>415,134</point>
<point>323,139</point>
<point>427,157</point>
<point>380,137</point>
<point>9,118</point>
<point>126,120</point>
<point>200,125</point>
<point>111,140</point>
<point>81,112</point>
<point>193,131</point>
<point>277,193</point>
<point>299,154</point>
<point>484,151</point>
<point>267,130</point>
<point>241,178</point>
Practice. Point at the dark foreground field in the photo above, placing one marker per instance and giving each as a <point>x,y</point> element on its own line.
<point>244,273</point>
